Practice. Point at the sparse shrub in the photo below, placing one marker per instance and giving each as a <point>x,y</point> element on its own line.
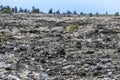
<point>72,27</point>
<point>3,37</point>
<point>83,74</point>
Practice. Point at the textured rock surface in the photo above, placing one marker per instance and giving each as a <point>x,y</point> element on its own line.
<point>38,47</point>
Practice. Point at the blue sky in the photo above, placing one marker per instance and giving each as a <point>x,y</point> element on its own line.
<point>87,6</point>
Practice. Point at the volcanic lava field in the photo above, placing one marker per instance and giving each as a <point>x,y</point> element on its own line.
<point>59,47</point>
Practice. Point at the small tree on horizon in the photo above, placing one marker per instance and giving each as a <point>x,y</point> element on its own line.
<point>106,13</point>
<point>58,12</point>
<point>97,13</point>
<point>34,10</point>
<point>91,14</point>
<point>69,12</point>
<point>25,10</point>
<point>50,11</point>
<point>74,12</point>
<point>1,7</point>
<point>81,13</point>
<point>15,9</point>
<point>21,10</point>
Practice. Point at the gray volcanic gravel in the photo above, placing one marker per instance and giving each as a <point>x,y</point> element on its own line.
<point>38,47</point>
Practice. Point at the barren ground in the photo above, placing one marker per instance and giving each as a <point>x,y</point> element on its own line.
<point>38,47</point>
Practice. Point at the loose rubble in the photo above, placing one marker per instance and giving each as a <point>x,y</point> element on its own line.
<point>38,47</point>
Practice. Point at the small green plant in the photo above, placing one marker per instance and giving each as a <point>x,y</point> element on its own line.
<point>3,38</point>
<point>72,27</point>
